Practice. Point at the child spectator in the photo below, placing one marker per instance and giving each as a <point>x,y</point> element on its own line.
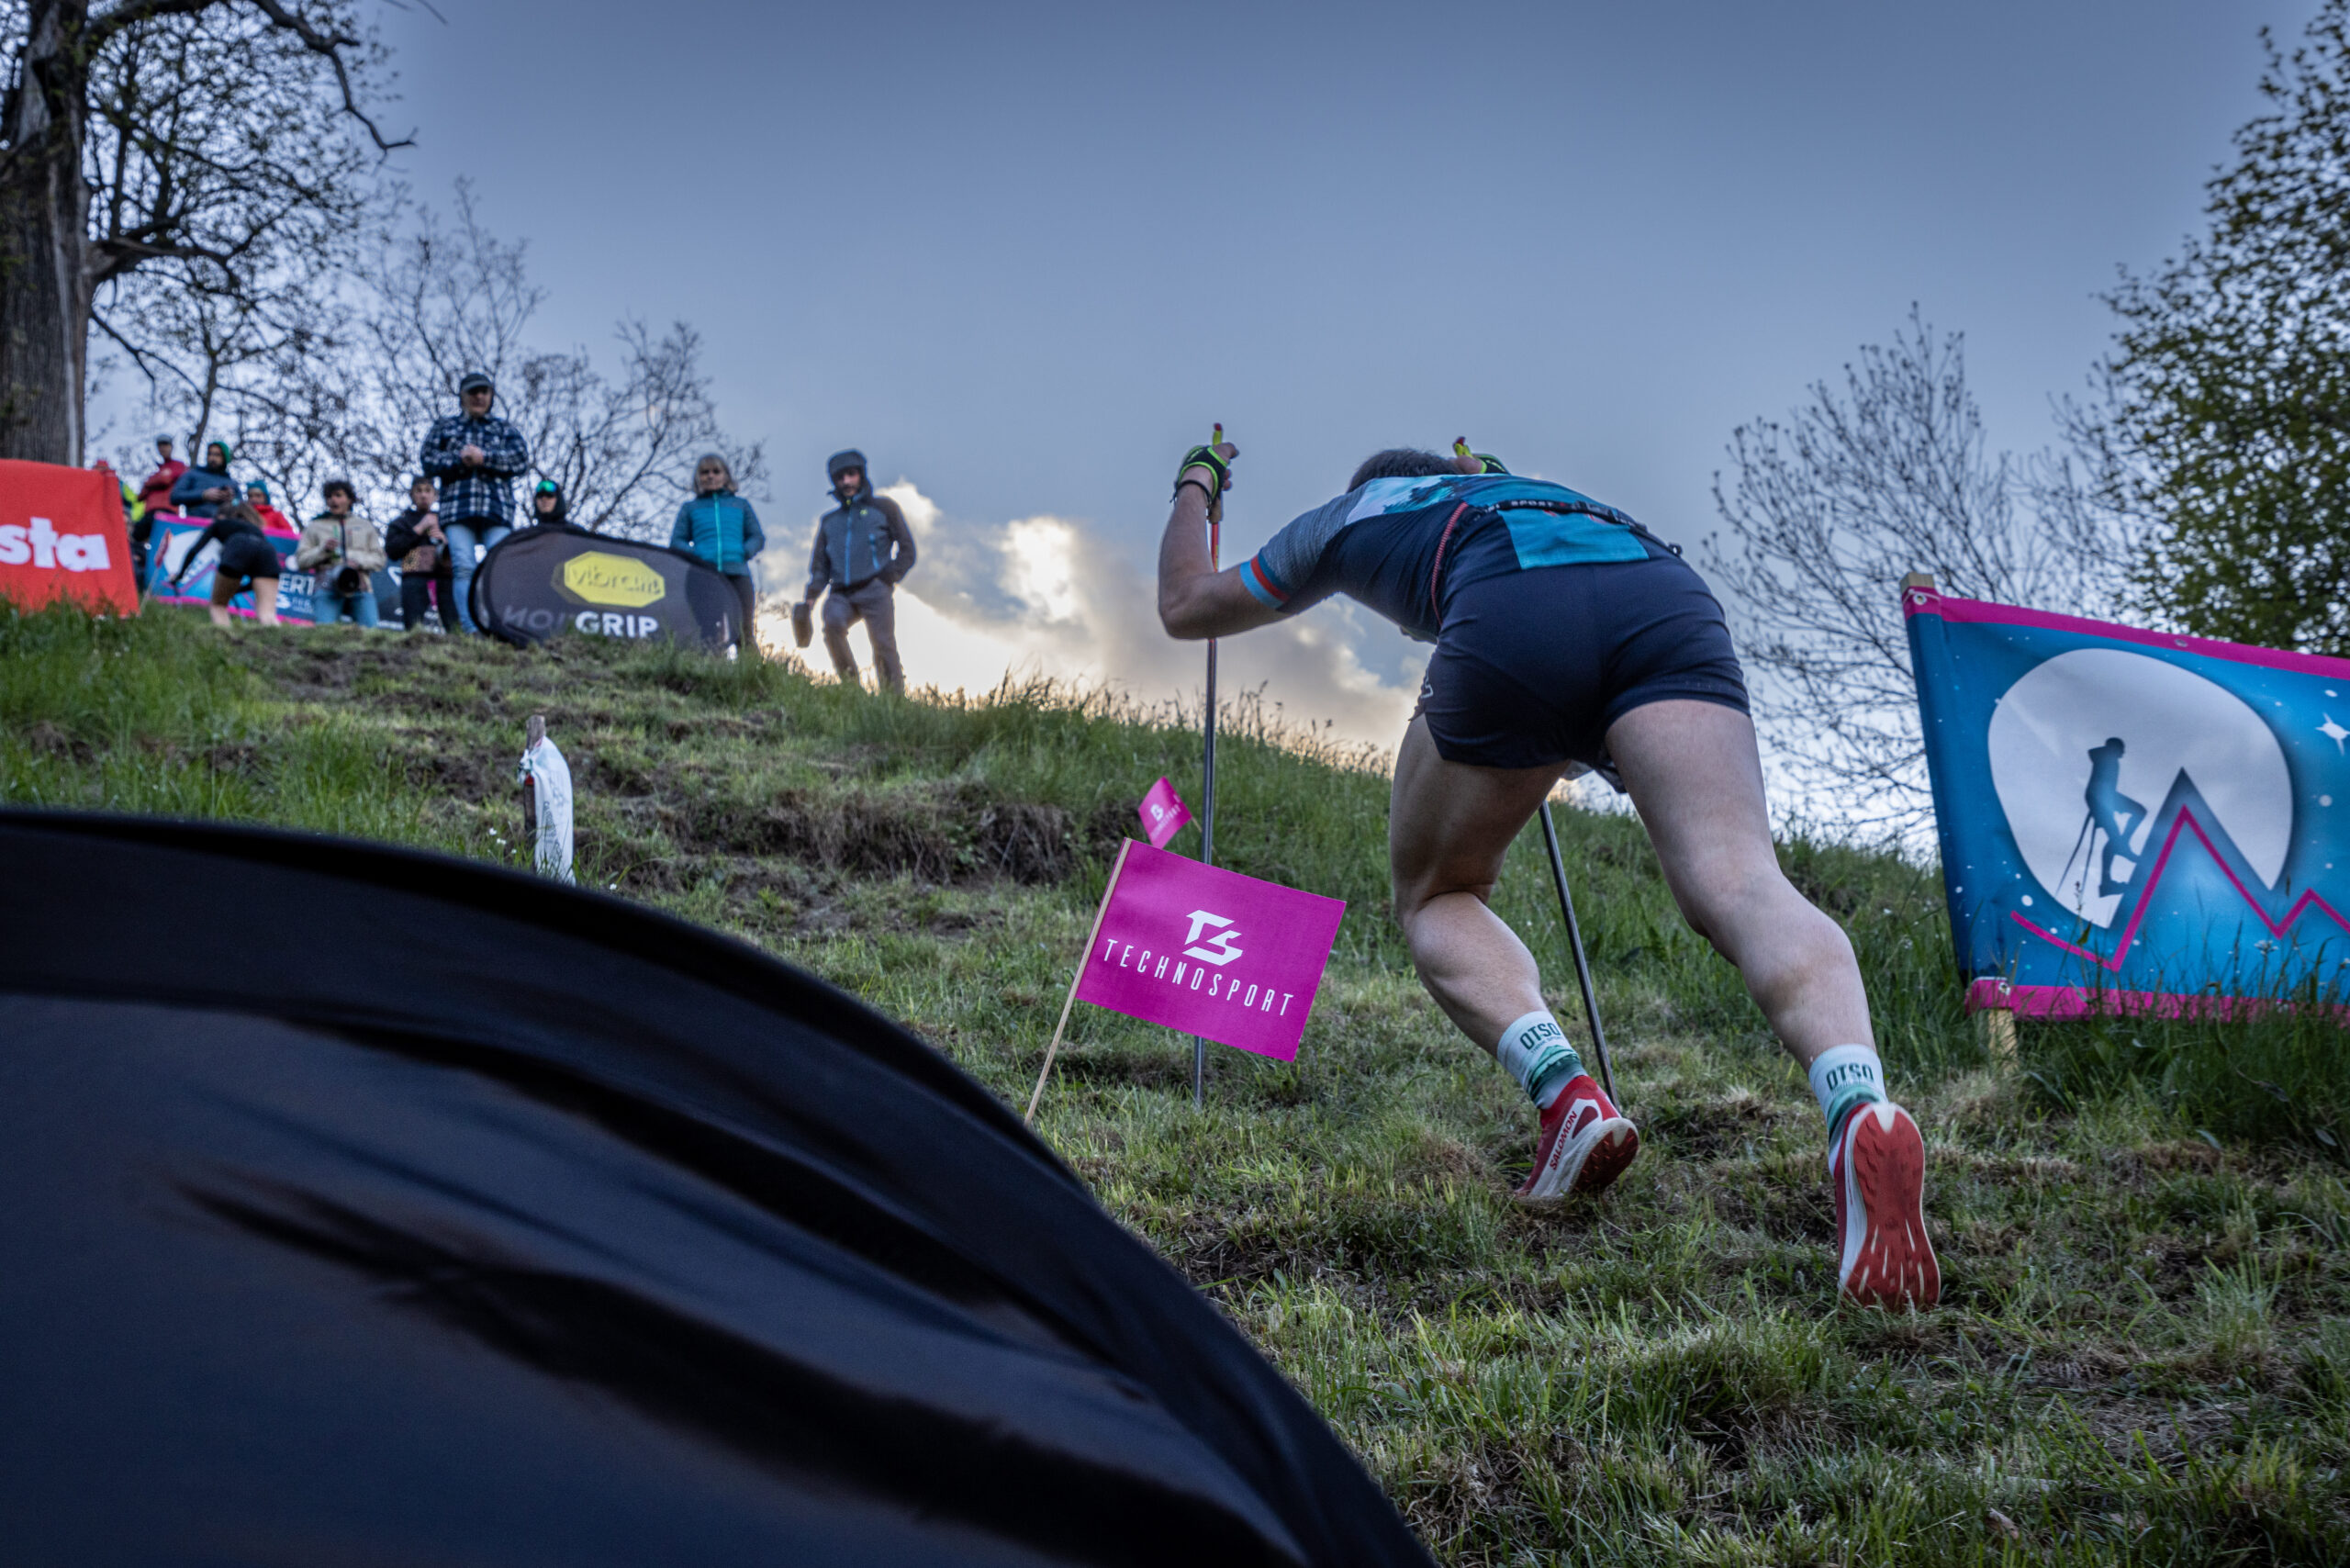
<point>202,492</point>
<point>428,578</point>
<point>341,551</point>
<point>720,526</point>
<point>273,521</point>
<point>246,557</point>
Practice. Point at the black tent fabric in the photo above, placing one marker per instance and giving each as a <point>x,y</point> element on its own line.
<point>363,1206</point>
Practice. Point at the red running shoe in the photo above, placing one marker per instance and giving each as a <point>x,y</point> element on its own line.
<point>1878,1167</point>
<point>1586,1143</point>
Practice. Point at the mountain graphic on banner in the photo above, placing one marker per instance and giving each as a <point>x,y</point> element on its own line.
<point>2186,825</point>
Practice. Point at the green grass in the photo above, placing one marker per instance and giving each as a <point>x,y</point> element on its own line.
<point>2142,1356</point>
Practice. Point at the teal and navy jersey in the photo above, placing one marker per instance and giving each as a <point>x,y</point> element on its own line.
<point>1404,546</point>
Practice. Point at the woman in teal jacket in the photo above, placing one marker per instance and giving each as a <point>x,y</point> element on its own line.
<point>720,526</point>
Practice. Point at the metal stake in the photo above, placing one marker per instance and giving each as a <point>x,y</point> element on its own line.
<point>1574,940</point>
<point>1207,804</point>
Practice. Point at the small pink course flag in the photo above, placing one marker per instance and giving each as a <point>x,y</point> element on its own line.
<point>1163,813</point>
<point>1210,952</point>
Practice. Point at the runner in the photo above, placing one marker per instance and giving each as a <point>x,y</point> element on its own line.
<point>1565,633</point>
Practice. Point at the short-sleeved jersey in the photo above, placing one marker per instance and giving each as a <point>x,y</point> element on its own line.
<point>1404,546</point>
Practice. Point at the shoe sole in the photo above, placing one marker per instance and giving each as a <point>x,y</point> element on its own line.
<point>1586,1164</point>
<point>1888,1262</point>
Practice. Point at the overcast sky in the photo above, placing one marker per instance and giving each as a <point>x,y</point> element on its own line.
<point>1023,253</point>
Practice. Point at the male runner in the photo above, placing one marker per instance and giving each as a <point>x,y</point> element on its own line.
<point>1566,633</point>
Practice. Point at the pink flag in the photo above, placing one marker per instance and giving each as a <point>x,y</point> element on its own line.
<point>1163,813</point>
<point>1210,952</point>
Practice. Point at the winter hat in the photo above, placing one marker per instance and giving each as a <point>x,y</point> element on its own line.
<point>255,487</point>
<point>473,380</point>
<point>840,461</point>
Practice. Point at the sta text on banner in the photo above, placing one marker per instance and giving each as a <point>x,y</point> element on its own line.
<point>61,536</point>
<point>1210,952</point>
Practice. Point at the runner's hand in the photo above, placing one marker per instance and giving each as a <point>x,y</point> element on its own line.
<point>1214,460</point>
<point>1470,461</point>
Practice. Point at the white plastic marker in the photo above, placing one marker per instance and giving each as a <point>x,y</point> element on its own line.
<point>545,781</point>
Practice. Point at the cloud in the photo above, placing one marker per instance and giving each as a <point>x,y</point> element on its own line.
<point>1049,594</point>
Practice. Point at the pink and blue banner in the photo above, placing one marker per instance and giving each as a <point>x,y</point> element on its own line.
<point>2132,820</point>
<point>172,539</point>
<point>1210,952</point>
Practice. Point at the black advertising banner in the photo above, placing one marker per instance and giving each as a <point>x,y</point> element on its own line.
<point>538,583</point>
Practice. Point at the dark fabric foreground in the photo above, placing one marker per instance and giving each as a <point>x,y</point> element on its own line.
<point>343,1224</point>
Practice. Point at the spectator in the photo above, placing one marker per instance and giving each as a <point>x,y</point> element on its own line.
<point>548,508</point>
<point>474,456</point>
<point>155,492</point>
<point>720,526</point>
<point>427,578</point>
<point>863,550</point>
<point>272,520</point>
<point>341,551</point>
<point>246,557</point>
<point>202,492</point>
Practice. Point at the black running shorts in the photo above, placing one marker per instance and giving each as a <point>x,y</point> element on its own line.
<point>1532,667</point>
<point>247,555</point>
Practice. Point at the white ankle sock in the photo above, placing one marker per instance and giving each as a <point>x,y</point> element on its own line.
<point>1845,1077</point>
<point>1534,1050</point>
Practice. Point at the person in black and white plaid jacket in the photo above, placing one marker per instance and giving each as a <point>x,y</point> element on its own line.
<point>476,457</point>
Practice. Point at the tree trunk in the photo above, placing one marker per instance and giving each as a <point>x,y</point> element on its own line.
<point>44,242</point>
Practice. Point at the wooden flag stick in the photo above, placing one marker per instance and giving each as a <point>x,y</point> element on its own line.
<point>1070,1000</point>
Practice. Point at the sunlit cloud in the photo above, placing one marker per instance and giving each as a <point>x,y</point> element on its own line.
<point>1049,596</point>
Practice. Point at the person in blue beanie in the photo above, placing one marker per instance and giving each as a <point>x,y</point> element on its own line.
<point>720,526</point>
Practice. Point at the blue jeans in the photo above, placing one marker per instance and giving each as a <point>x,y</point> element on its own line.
<point>326,608</point>
<point>464,558</point>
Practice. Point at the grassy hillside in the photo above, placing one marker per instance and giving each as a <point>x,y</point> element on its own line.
<point>2142,1356</point>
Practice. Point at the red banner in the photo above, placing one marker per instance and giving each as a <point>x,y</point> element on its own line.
<point>61,536</point>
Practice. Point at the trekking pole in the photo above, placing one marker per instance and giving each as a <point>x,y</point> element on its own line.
<point>1207,812</point>
<point>1574,940</point>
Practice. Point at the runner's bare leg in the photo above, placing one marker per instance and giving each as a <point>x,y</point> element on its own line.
<point>1449,825</point>
<point>1696,776</point>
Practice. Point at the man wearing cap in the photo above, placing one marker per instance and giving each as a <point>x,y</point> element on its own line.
<point>474,456</point>
<point>862,548</point>
<point>155,494</point>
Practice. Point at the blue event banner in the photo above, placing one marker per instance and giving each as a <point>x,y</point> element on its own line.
<point>173,537</point>
<point>2133,820</point>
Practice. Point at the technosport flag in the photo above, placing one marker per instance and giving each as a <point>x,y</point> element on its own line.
<point>1163,813</point>
<point>2131,819</point>
<point>1210,952</point>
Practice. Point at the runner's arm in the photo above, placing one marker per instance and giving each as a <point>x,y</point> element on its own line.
<point>1196,600</point>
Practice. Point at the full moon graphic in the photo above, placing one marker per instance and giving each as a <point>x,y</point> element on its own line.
<point>2069,794</point>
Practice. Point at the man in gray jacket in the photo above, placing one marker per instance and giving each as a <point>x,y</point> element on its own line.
<point>862,548</point>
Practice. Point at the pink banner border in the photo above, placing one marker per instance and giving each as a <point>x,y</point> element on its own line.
<point>2069,1002</point>
<point>1932,601</point>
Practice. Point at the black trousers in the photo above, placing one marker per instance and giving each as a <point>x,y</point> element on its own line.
<point>418,589</point>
